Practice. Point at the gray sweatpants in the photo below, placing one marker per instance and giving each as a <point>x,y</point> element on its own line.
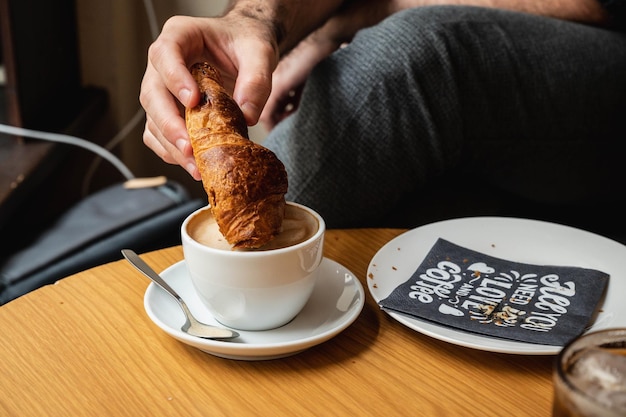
<point>529,105</point>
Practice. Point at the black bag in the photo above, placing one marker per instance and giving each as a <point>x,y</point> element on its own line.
<point>94,231</point>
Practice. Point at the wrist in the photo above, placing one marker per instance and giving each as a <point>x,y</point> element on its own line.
<point>286,21</point>
<point>270,14</point>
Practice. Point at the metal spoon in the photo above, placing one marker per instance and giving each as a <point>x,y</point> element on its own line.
<point>191,326</point>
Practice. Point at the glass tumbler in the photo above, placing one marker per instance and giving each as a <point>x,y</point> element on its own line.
<point>590,376</point>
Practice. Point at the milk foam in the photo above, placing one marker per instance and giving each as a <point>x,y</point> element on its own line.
<point>298,226</point>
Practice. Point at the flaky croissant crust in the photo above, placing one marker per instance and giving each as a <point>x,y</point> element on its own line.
<point>244,181</point>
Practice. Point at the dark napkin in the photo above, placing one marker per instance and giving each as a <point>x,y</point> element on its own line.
<point>468,290</point>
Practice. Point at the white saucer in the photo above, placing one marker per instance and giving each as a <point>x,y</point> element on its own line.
<point>521,240</point>
<point>336,301</point>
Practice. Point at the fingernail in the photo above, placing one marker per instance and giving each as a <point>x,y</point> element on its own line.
<point>184,96</point>
<point>192,169</point>
<point>181,144</point>
<point>250,110</point>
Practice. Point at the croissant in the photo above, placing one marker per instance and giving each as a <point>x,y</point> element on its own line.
<point>244,181</point>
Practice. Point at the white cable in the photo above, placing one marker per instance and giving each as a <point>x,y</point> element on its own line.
<point>121,135</point>
<point>103,152</point>
<point>138,117</point>
<point>72,140</point>
<point>132,123</point>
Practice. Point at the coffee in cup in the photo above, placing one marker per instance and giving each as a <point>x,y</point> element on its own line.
<point>256,289</point>
<point>298,226</point>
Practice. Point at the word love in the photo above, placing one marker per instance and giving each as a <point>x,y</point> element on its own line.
<point>462,288</point>
<point>491,299</point>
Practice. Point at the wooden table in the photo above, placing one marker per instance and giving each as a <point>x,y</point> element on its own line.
<point>85,347</point>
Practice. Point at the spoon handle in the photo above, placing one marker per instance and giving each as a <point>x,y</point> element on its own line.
<point>145,269</point>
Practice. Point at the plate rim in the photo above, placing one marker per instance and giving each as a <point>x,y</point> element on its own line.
<point>456,336</point>
<point>257,351</point>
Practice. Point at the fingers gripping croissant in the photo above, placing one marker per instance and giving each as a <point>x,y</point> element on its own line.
<point>245,182</point>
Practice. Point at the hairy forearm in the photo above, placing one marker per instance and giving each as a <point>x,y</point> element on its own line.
<point>289,20</point>
<point>354,15</point>
<point>585,11</point>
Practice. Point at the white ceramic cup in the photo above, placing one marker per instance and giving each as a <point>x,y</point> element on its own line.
<point>255,290</point>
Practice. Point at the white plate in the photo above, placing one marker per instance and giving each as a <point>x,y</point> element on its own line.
<point>519,240</point>
<point>337,300</point>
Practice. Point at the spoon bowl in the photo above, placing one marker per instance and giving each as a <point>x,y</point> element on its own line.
<point>191,326</point>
